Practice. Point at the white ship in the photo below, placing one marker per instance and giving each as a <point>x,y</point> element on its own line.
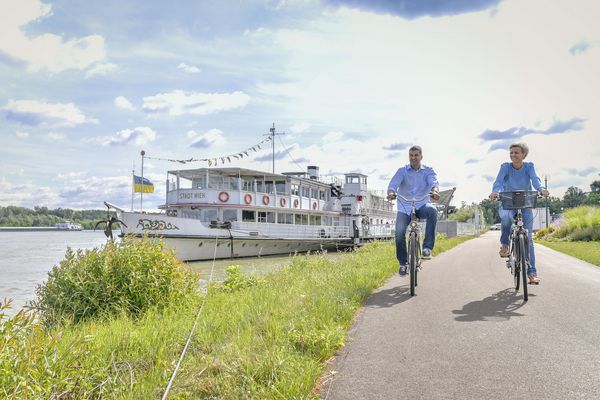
<point>68,226</point>
<point>235,212</point>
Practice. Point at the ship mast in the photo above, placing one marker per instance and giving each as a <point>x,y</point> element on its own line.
<point>272,135</point>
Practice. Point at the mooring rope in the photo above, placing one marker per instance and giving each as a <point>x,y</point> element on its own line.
<point>187,343</point>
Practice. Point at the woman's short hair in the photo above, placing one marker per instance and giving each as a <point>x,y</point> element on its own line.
<point>524,148</point>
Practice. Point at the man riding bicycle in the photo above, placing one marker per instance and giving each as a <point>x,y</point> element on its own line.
<point>412,181</point>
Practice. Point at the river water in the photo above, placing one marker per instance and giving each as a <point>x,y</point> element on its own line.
<point>27,257</point>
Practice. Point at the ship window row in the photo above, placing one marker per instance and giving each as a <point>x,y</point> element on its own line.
<point>207,215</point>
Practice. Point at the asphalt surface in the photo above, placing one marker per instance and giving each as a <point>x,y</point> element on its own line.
<point>468,335</point>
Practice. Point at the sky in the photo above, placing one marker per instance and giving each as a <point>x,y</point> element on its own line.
<point>85,86</point>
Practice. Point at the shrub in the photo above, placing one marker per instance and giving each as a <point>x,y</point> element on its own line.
<point>126,277</point>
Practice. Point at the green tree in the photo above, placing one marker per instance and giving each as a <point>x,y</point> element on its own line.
<point>593,199</point>
<point>573,197</point>
<point>595,187</point>
<point>490,211</point>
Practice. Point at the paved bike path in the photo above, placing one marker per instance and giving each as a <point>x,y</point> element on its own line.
<point>468,335</point>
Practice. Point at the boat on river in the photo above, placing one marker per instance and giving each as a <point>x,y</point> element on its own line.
<point>68,226</point>
<point>235,212</point>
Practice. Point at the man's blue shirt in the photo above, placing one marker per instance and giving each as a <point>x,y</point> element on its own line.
<point>413,184</point>
<point>510,179</point>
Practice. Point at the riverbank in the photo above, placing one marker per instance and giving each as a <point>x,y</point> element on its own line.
<point>264,338</point>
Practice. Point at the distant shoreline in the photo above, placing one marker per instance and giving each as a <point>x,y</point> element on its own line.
<point>36,229</point>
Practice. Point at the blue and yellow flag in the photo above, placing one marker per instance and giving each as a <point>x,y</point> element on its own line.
<point>142,185</point>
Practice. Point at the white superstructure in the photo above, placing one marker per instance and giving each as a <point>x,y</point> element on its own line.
<point>241,212</point>
<point>68,226</point>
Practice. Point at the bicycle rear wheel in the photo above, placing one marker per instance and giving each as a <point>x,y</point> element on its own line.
<point>523,263</point>
<point>412,261</point>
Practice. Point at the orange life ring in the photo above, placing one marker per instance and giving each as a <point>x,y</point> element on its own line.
<point>282,201</point>
<point>247,198</point>
<point>266,200</point>
<point>314,205</point>
<point>223,197</point>
<point>296,203</point>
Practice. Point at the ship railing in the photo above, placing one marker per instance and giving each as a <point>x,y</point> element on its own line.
<point>378,231</point>
<point>292,231</point>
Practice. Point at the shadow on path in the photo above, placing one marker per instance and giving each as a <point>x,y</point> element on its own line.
<point>389,297</point>
<point>500,306</point>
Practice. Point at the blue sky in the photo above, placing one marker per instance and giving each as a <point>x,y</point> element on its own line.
<point>85,86</point>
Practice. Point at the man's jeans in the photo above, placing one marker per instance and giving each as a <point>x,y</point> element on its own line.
<point>507,217</point>
<point>402,220</point>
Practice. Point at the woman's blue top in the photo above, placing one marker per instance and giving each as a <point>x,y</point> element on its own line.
<point>509,178</point>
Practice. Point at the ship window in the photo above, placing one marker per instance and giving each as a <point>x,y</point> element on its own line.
<point>271,217</point>
<point>284,218</point>
<point>209,215</point>
<point>301,219</point>
<point>305,192</point>
<point>199,182</point>
<point>314,194</point>
<point>248,216</point>
<point>295,189</point>
<point>194,214</point>
<point>262,216</point>
<point>315,220</point>
<point>269,187</point>
<point>247,185</point>
<point>229,215</point>
<point>335,221</point>
<point>280,186</point>
<point>260,186</point>
<point>222,182</point>
<point>322,195</point>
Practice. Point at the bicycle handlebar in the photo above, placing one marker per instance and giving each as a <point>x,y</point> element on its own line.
<point>410,200</point>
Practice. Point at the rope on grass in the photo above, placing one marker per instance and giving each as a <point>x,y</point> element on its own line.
<point>189,339</point>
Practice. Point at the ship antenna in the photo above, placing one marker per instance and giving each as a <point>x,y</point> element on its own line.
<point>272,135</point>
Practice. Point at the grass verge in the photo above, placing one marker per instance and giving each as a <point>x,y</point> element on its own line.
<point>586,251</point>
<point>257,338</point>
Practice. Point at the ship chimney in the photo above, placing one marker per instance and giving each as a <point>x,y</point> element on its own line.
<point>313,172</point>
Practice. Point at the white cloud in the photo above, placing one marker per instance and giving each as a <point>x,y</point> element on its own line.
<point>45,51</point>
<point>139,135</point>
<point>56,137</point>
<point>22,135</point>
<point>333,136</point>
<point>213,137</point>
<point>192,69</point>
<point>102,68</point>
<point>124,103</point>
<point>299,128</point>
<point>179,102</point>
<point>42,113</point>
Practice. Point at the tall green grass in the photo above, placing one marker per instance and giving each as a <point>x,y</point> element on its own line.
<point>579,224</point>
<point>262,338</point>
<point>586,251</point>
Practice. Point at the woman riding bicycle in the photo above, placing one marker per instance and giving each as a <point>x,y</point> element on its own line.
<point>517,175</point>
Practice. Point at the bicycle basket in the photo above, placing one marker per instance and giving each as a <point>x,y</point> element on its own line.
<point>518,199</point>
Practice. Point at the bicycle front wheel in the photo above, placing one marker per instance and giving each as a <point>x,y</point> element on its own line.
<point>523,263</point>
<point>515,266</point>
<point>412,261</point>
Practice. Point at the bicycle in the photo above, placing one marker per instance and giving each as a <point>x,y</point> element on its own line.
<point>518,255</point>
<point>414,240</point>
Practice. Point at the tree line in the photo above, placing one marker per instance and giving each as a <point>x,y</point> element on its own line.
<point>14,216</point>
<point>573,197</point>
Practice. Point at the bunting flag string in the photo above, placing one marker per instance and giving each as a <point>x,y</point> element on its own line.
<point>214,160</point>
